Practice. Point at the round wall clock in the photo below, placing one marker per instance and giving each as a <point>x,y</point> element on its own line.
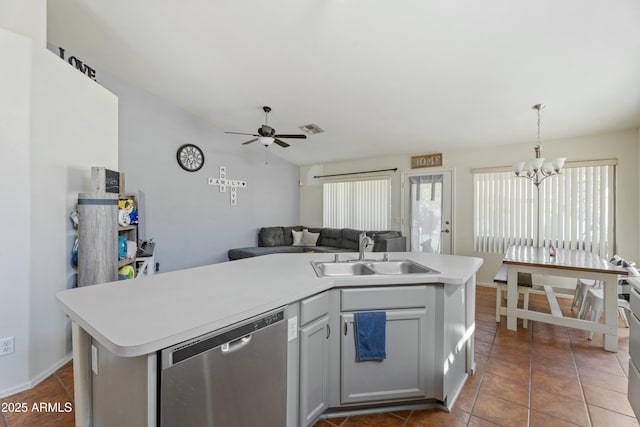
<point>190,157</point>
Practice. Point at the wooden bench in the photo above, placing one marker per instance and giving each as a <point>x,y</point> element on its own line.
<point>524,286</point>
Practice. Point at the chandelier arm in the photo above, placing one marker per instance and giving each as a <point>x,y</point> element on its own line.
<point>531,178</point>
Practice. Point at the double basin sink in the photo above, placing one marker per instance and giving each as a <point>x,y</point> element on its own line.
<point>369,268</point>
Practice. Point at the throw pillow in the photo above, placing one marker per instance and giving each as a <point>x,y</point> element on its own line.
<point>309,238</point>
<point>297,237</point>
<point>270,236</point>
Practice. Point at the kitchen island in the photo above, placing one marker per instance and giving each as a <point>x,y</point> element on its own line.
<point>120,328</point>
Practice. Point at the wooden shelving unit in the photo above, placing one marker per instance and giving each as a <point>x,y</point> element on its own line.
<point>97,238</point>
<point>98,233</point>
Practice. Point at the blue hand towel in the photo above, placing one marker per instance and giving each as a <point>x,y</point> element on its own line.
<point>370,331</point>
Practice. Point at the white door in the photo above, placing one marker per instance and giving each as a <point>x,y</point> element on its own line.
<point>427,211</point>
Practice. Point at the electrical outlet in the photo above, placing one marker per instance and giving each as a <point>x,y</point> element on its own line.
<point>6,346</point>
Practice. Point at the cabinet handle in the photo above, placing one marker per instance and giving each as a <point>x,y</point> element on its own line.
<point>328,331</point>
<point>345,328</point>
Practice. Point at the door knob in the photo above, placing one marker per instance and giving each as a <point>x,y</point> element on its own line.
<point>445,231</point>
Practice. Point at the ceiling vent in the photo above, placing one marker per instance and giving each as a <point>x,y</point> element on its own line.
<point>311,129</point>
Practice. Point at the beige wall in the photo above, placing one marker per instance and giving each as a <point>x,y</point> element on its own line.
<point>15,177</point>
<point>27,18</point>
<point>620,145</point>
<point>55,123</point>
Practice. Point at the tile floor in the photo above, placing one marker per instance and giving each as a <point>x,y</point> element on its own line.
<point>56,391</point>
<point>542,376</point>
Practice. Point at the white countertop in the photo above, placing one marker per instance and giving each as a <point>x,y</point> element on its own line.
<point>144,315</point>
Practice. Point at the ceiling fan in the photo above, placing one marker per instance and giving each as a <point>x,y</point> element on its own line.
<point>267,135</point>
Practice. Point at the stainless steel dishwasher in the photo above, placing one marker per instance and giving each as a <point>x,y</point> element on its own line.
<point>233,377</point>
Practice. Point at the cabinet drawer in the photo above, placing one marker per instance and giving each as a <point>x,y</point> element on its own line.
<point>383,298</point>
<point>634,301</point>
<point>314,307</point>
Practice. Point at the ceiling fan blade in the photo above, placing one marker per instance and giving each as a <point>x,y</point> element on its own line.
<point>291,136</point>
<point>280,143</point>
<point>249,142</point>
<point>242,133</point>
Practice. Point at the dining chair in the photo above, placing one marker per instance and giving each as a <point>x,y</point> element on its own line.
<point>582,286</point>
<point>593,304</point>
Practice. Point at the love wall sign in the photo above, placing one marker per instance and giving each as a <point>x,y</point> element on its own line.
<point>79,64</point>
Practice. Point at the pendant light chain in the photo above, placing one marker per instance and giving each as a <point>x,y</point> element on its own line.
<point>539,125</point>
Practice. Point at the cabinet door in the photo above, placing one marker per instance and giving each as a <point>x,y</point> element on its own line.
<point>314,370</point>
<point>454,349</point>
<point>401,375</point>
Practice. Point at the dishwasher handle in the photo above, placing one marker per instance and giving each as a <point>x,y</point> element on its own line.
<point>232,339</point>
<point>235,345</point>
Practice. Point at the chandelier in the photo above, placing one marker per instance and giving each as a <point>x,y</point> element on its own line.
<point>537,170</point>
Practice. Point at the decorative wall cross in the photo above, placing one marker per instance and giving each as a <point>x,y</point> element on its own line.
<point>223,183</point>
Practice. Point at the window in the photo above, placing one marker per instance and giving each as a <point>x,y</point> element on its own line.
<point>360,204</point>
<point>573,210</point>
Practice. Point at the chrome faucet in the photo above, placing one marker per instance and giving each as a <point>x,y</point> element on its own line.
<point>364,240</point>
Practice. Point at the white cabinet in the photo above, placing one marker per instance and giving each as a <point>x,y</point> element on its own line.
<point>453,337</point>
<point>633,392</point>
<point>314,358</point>
<point>427,343</point>
<point>314,370</point>
<point>401,375</point>
<point>407,371</point>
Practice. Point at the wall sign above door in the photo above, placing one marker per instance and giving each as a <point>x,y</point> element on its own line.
<point>426,160</point>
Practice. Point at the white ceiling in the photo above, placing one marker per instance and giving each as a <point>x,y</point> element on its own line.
<point>380,77</point>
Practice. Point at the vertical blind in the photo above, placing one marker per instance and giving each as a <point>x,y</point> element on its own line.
<point>359,204</point>
<point>573,210</point>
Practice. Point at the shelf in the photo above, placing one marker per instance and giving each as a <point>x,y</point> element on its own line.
<point>127,228</point>
<point>126,261</point>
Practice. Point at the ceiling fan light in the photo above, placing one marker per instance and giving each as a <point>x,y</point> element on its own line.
<point>265,140</point>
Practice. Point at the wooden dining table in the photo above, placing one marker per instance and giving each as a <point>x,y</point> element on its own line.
<point>570,263</point>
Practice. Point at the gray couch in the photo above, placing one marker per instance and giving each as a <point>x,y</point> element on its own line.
<point>280,240</point>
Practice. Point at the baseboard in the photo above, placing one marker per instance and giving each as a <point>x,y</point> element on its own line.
<point>37,379</point>
<point>16,389</point>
